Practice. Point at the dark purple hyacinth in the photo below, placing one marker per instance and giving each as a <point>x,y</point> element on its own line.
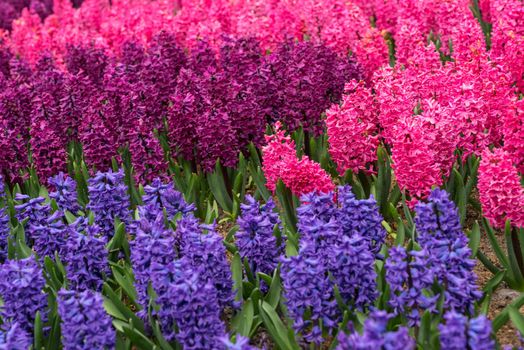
<point>152,244</point>
<point>86,258</point>
<point>65,192</point>
<point>85,323</point>
<point>35,211</point>
<point>376,336</point>
<point>161,195</point>
<point>108,199</point>
<point>408,275</point>
<point>206,253</point>
<point>22,292</point>
<point>190,302</point>
<point>86,60</point>
<point>460,333</point>
<point>438,225</point>
<point>12,337</point>
<point>308,290</point>
<point>12,9</point>
<point>255,239</point>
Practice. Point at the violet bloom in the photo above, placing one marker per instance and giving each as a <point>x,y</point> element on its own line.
<point>86,60</point>
<point>22,291</point>
<point>207,254</point>
<point>255,239</point>
<point>453,333</point>
<point>480,333</point>
<point>241,343</point>
<point>34,210</point>
<point>85,323</point>
<point>12,337</point>
<point>108,199</point>
<point>308,291</point>
<point>440,233</point>
<point>164,196</point>
<point>65,193</point>
<point>152,244</point>
<point>86,259</point>
<point>190,303</point>
<point>408,274</point>
<point>376,336</point>
<point>4,224</point>
<point>50,235</point>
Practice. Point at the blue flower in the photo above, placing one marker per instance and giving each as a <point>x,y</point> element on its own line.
<point>65,192</point>
<point>14,338</point>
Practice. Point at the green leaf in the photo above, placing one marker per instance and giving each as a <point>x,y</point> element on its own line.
<point>494,282</point>
<point>164,345</point>
<point>236,270</point>
<point>126,282</point>
<point>38,331</point>
<point>503,317</point>
<point>474,239</point>
<point>276,328</point>
<point>285,197</point>
<point>517,319</point>
<point>494,244</point>
<point>116,308</point>
<point>217,185</point>
<point>513,260</point>
<point>53,340</point>
<point>275,289</point>
<point>139,339</point>
<point>243,321</point>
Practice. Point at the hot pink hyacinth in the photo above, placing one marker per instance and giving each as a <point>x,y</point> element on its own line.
<point>514,135</point>
<point>501,194</point>
<point>352,129</point>
<point>280,162</point>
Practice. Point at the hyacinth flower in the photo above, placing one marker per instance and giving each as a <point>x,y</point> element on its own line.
<point>255,238</point>
<point>164,196</point>
<point>12,337</point>
<point>21,289</point>
<point>34,210</point>
<point>86,258</point>
<point>188,302</point>
<point>376,336</point>
<point>460,333</point>
<point>241,343</point>
<point>65,193</point>
<point>108,199</point>
<point>438,226</point>
<point>50,236</point>
<point>153,244</point>
<point>4,223</point>
<point>85,323</point>
<point>502,198</point>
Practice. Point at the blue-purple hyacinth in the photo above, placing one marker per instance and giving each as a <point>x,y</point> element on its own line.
<point>457,332</point>
<point>164,196</point>
<point>4,223</point>
<point>12,337</point>
<point>65,192</point>
<point>34,210</point>
<point>86,259</point>
<point>22,291</point>
<point>255,239</point>
<point>108,199</point>
<point>189,302</point>
<point>50,235</point>
<point>85,323</point>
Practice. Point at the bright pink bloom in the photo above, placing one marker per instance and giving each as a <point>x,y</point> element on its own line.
<point>514,135</point>
<point>501,194</point>
<point>352,129</point>
<point>280,162</point>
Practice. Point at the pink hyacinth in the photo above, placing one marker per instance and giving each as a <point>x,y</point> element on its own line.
<point>514,135</point>
<point>352,129</point>
<point>280,162</point>
<point>501,194</point>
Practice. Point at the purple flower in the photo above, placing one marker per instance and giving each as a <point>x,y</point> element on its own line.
<point>86,259</point>
<point>50,235</point>
<point>65,192</point>
<point>255,239</point>
<point>12,337</point>
<point>164,196</point>
<point>241,343</point>
<point>207,255</point>
<point>108,199</point>
<point>89,60</point>
<point>453,332</point>
<point>376,336</point>
<point>479,334</point>
<point>22,291</point>
<point>85,323</point>
<point>440,233</point>
<point>35,211</point>
<point>408,276</point>
<point>4,224</point>
<point>190,303</point>
<point>152,244</point>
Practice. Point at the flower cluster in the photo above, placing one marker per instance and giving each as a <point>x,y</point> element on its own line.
<point>458,332</point>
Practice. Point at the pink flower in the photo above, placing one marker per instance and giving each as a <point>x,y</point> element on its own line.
<point>514,135</point>
<point>501,194</point>
<point>280,162</point>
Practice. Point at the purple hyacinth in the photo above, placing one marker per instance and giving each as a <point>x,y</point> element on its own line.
<point>152,244</point>
<point>22,291</point>
<point>12,337</point>
<point>376,336</point>
<point>353,269</point>
<point>241,343</point>
<point>189,302</point>
<point>85,323</point>
<point>479,333</point>
<point>89,60</point>
<point>65,192</point>
<point>308,290</point>
<point>86,259</point>
<point>440,233</point>
<point>460,333</point>
<point>34,210</point>
<point>361,217</point>
<point>164,196</point>
<point>207,254</point>
<point>408,275</point>
<point>50,236</point>
<point>4,224</point>
<point>255,239</point>
<point>108,199</point>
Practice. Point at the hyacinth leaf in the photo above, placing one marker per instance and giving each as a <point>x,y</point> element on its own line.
<point>517,319</point>
<point>236,270</point>
<point>474,239</point>
<point>55,280</point>
<point>115,307</point>
<point>37,341</point>
<point>503,317</point>
<point>494,244</point>
<point>164,344</point>
<point>22,251</point>
<point>217,185</point>
<point>118,238</point>
<point>139,339</point>
<point>243,321</point>
<point>424,335</point>
<point>487,263</point>
<point>53,340</point>
<point>276,328</point>
<point>383,181</point>
<point>515,259</point>
<point>125,282</point>
<point>81,176</point>
<point>401,233</point>
<point>494,282</point>
<point>285,198</point>
<point>275,289</point>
